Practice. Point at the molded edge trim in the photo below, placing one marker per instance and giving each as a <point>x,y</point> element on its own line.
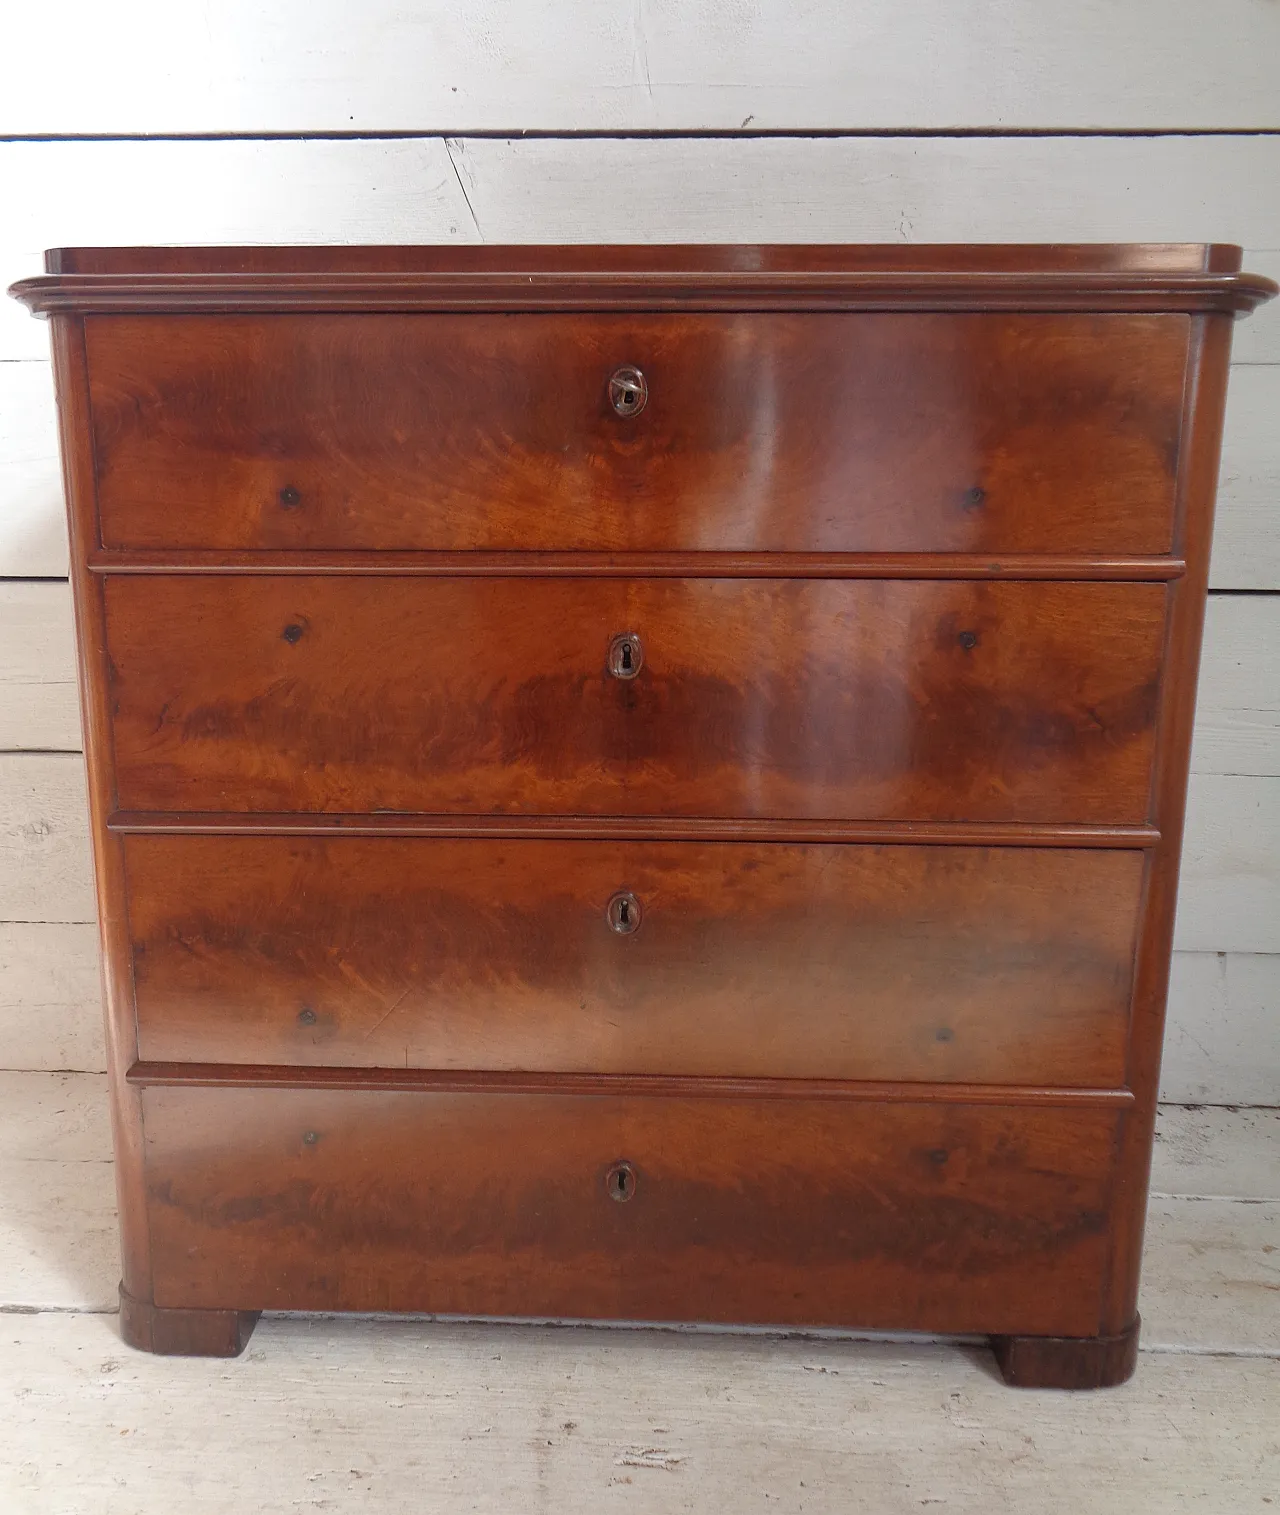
<point>654,289</point>
<point>663,1085</point>
<point>369,562</point>
<point>634,828</point>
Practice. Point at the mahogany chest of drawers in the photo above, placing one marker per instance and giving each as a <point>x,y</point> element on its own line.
<point>640,783</point>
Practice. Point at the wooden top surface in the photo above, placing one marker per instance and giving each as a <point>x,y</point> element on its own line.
<point>1142,276</point>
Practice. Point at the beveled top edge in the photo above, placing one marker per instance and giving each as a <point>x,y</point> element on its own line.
<point>1166,257</point>
<point>1141,277</point>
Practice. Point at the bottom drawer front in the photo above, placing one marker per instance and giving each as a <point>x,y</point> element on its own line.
<point>925,1216</point>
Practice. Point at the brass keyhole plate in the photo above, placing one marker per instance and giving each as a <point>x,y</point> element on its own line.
<point>620,1182</point>
<point>626,655</point>
<point>623,913</point>
<point>628,391</point>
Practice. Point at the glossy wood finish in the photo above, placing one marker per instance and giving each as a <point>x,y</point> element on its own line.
<point>1197,482</point>
<point>695,258</point>
<point>1065,1362</point>
<point>757,698</point>
<point>1087,278</point>
<point>635,828</point>
<point>1121,568</point>
<point>650,1085</point>
<point>121,1026</point>
<point>362,786</point>
<point>184,1333</point>
<point>935,1217</point>
<point>945,964</point>
<point>774,433</point>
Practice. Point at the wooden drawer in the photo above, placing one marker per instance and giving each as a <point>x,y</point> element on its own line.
<point>962,964</point>
<point>928,1216</point>
<point>820,698</point>
<point>761,432</point>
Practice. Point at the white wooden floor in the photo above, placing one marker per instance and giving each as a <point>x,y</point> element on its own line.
<point>419,1416</point>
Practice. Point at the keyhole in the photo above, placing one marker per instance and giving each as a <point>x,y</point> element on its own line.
<point>624,913</point>
<point>628,391</point>
<point>626,656</point>
<point>620,1182</point>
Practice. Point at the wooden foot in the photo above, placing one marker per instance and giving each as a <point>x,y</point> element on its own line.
<point>184,1333</point>
<point>1067,1362</point>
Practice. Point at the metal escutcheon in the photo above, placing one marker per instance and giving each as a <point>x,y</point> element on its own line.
<point>623,912</point>
<point>628,390</point>
<point>626,656</point>
<point>620,1182</point>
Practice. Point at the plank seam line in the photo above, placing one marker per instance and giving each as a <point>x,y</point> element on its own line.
<point>1232,1199</point>
<point>675,133</point>
<point>888,1338</point>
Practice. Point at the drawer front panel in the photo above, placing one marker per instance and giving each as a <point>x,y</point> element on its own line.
<point>863,433</point>
<point>806,698</point>
<point>822,1212</point>
<point>962,964</point>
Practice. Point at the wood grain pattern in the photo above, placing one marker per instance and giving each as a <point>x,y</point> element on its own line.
<point>776,433</point>
<point>753,1159</point>
<point>940,964</point>
<point>757,698</point>
<point>793,1212</point>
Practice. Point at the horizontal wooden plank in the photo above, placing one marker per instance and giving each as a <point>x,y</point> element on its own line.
<point>38,701</point>
<point>1207,1153</point>
<point>306,67</point>
<point>869,189</point>
<point>45,868</point>
<point>1258,340</point>
<point>1238,707</point>
<point>883,189</point>
<point>333,1414</point>
<point>1210,1275</point>
<point>1229,890</point>
<point>1246,544</point>
<point>1220,1043</point>
<point>33,532</point>
<point>58,1247</point>
<point>54,1118</point>
<point>50,997</point>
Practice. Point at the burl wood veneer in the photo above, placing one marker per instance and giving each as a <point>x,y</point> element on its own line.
<point>640,782</point>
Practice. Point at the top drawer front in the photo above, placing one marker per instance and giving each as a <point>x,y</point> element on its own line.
<point>836,433</point>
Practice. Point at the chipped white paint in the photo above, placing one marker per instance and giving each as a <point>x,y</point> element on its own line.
<point>50,998</point>
<point>1221,1045</point>
<point>319,65</point>
<point>1205,1152</point>
<point>39,707</point>
<point>45,868</point>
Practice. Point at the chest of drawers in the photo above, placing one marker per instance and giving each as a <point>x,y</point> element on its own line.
<point>640,783</point>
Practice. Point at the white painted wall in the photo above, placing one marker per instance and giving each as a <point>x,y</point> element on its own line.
<point>1155,120</point>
